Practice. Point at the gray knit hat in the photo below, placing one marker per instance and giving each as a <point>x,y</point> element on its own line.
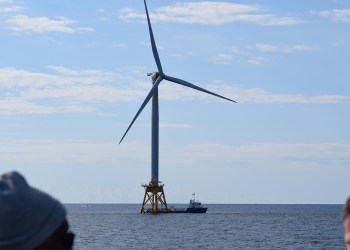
<point>27,215</point>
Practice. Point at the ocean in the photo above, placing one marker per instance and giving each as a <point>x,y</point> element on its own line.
<point>121,226</point>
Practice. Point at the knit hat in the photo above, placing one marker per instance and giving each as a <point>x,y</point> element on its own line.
<point>27,215</point>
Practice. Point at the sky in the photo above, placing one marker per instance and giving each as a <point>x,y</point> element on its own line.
<point>74,73</point>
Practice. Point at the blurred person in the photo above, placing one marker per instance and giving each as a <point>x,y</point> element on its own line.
<point>346,220</point>
<point>31,219</point>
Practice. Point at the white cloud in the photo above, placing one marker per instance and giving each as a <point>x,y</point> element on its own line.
<point>236,50</point>
<point>250,96</point>
<point>267,156</point>
<point>68,90</point>
<point>10,106</point>
<point>212,13</point>
<point>283,49</point>
<point>53,152</point>
<point>256,60</point>
<point>11,9</point>
<point>337,15</point>
<point>22,23</point>
<point>64,90</point>
<point>15,78</point>
<point>260,96</point>
<point>222,58</point>
<point>229,55</point>
<point>254,155</point>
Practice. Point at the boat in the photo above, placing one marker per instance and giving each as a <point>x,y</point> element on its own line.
<point>194,207</point>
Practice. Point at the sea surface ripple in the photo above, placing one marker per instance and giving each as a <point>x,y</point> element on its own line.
<point>121,226</point>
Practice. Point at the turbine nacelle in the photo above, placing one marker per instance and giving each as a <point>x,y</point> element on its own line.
<point>154,76</point>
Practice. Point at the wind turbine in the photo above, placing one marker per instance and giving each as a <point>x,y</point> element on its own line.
<point>154,192</point>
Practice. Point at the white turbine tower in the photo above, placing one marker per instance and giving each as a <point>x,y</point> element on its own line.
<point>154,192</point>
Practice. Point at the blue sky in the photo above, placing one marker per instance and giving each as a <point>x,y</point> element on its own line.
<point>73,75</point>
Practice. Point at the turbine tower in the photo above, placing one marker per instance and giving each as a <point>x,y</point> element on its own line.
<point>154,192</point>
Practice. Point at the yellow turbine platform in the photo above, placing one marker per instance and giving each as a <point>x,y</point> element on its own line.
<point>154,195</point>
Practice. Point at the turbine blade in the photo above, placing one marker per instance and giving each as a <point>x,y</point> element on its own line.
<point>149,96</point>
<point>153,43</point>
<point>190,85</point>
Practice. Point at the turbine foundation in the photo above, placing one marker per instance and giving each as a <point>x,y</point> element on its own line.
<point>154,196</point>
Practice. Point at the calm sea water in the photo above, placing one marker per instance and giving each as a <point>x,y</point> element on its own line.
<point>120,226</point>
